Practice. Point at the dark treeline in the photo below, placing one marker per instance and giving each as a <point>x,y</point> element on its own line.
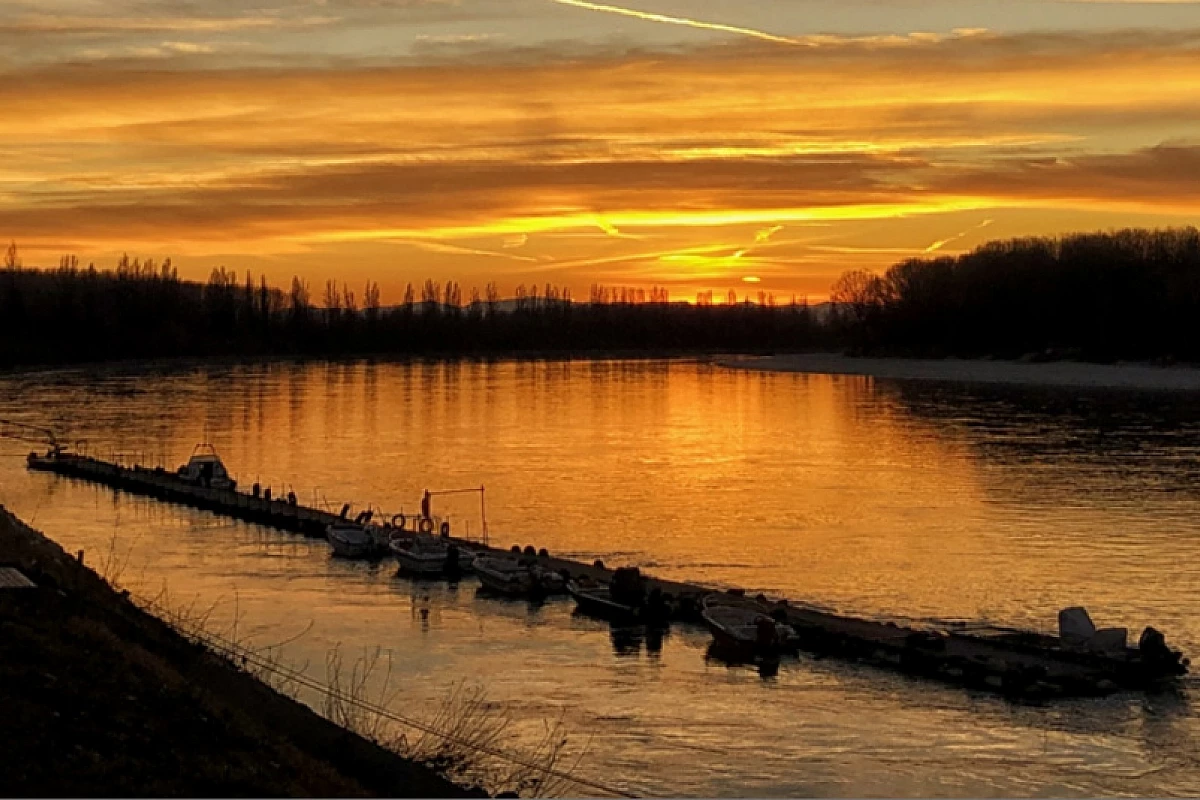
<point>1130,294</point>
<point>142,309</point>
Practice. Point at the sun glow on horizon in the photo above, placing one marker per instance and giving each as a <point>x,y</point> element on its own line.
<point>697,151</point>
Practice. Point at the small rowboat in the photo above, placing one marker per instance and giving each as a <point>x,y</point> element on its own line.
<point>596,600</point>
<point>747,626</point>
<point>428,555</point>
<point>626,606</point>
<point>351,540</point>
<point>517,578</point>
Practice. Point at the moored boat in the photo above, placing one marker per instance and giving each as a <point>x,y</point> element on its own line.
<point>623,599</point>
<point>429,555</point>
<point>1102,650</point>
<point>205,468</point>
<point>351,540</point>
<point>747,625</point>
<point>522,577</point>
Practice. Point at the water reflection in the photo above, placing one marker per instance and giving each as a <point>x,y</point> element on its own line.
<point>736,658</point>
<point>1100,436</point>
<point>877,498</point>
<point>629,640</point>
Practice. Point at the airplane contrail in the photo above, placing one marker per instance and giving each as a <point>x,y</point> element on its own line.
<point>940,243</point>
<point>690,23</point>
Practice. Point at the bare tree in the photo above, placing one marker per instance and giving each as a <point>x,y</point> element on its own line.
<point>857,293</point>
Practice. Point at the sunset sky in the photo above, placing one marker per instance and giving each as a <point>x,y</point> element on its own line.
<point>712,144</point>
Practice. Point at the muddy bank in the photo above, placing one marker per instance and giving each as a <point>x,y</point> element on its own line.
<point>1062,374</point>
<point>102,699</point>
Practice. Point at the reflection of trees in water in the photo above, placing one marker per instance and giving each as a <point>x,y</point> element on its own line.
<point>1118,445</point>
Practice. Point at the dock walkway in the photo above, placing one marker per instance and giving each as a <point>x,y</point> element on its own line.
<point>1010,665</point>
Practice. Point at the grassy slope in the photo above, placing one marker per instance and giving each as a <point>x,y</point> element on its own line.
<point>98,698</point>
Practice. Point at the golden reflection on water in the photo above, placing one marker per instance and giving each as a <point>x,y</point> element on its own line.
<point>880,499</point>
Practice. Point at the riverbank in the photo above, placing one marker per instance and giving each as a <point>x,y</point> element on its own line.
<point>1057,374</point>
<point>100,698</point>
<point>184,363</point>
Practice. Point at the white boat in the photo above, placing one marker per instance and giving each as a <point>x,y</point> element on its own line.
<point>429,555</point>
<point>204,468</point>
<point>746,624</point>
<point>351,540</point>
<point>517,577</point>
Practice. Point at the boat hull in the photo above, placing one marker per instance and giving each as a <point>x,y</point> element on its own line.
<point>351,542</point>
<point>509,585</point>
<point>430,563</point>
<point>517,581</point>
<point>746,628</point>
<point>344,549</point>
<point>596,602</point>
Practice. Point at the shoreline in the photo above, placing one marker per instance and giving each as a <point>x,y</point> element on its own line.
<point>1049,375</point>
<point>196,362</point>
<point>103,699</point>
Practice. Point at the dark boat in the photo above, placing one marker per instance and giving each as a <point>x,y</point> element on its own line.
<point>351,540</point>
<point>522,577</point>
<point>623,599</point>
<point>1103,651</point>
<point>747,626</point>
<point>1079,661</point>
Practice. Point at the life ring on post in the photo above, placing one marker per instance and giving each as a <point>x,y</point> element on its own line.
<point>398,521</point>
<point>445,529</point>
<point>426,525</point>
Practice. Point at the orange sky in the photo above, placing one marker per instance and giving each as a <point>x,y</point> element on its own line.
<point>577,142</point>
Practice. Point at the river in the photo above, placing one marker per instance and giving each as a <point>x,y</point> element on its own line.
<point>886,499</point>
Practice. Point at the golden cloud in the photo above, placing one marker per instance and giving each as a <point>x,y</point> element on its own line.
<point>518,145</point>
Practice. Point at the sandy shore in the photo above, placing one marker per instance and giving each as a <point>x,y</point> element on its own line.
<point>1066,374</point>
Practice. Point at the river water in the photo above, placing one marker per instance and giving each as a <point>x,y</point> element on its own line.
<point>878,498</point>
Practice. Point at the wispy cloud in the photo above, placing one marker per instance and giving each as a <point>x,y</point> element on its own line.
<point>940,243</point>
<point>684,21</point>
<point>92,25</point>
<point>497,166</point>
<point>457,249</point>
<point>765,234</point>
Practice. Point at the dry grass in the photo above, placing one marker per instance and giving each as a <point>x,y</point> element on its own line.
<point>467,729</point>
<point>466,739</point>
<point>101,698</point>
<point>114,562</point>
<point>350,702</point>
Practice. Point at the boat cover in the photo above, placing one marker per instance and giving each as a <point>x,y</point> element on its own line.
<point>1109,640</point>
<point>1075,627</point>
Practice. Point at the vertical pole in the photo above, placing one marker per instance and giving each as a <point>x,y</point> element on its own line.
<point>483,515</point>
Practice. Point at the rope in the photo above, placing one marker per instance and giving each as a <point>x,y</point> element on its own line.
<point>246,655</point>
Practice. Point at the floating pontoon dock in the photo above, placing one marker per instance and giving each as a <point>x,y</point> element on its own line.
<point>1019,664</point>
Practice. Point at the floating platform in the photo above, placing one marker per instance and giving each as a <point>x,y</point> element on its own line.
<point>1019,664</point>
<point>163,484</point>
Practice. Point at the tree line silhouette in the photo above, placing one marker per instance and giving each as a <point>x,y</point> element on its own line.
<point>143,309</point>
<point>1128,294</point>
